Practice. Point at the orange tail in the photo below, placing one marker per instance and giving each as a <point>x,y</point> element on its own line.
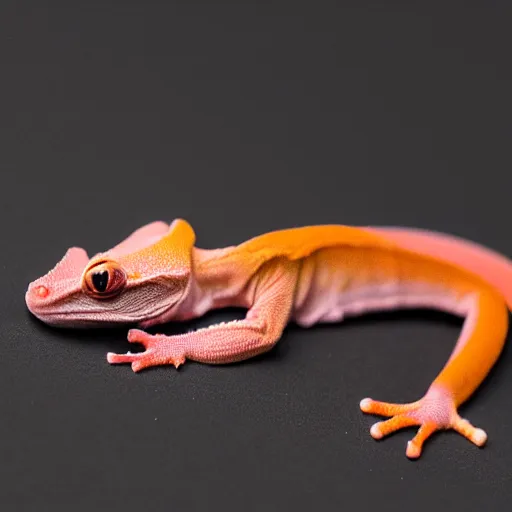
<point>491,266</point>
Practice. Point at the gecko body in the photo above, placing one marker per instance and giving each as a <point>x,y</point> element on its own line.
<point>306,275</point>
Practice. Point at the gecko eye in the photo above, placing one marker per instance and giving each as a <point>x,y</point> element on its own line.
<point>104,280</point>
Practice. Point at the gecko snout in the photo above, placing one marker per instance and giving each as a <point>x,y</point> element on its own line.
<point>41,291</point>
<point>36,295</point>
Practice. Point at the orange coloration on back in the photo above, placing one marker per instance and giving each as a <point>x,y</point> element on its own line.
<point>296,243</point>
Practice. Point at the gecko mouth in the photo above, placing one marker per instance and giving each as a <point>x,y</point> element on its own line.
<point>92,317</point>
<point>76,319</point>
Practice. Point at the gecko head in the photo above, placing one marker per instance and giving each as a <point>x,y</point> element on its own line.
<point>141,278</point>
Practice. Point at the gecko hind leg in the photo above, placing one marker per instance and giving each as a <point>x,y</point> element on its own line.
<point>435,411</point>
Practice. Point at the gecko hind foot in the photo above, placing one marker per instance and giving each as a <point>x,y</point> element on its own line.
<point>432,413</point>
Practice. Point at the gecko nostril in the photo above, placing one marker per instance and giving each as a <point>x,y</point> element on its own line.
<point>42,291</point>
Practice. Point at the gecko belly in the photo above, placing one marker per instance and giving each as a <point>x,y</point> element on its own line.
<point>335,307</point>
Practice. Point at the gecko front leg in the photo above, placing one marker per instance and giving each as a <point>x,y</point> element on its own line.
<point>230,342</point>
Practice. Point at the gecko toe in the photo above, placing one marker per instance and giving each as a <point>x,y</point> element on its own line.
<point>385,428</point>
<point>476,435</point>
<point>113,358</point>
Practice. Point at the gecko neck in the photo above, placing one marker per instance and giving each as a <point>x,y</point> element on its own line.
<point>207,290</point>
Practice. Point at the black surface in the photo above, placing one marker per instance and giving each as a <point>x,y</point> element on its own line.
<point>243,119</point>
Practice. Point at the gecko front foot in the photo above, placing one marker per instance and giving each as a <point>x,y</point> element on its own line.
<point>435,411</point>
<point>160,350</point>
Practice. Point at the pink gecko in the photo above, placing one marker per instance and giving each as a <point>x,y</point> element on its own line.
<point>306,275</point>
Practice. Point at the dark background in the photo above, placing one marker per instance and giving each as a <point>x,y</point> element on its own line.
<point>244,118</point>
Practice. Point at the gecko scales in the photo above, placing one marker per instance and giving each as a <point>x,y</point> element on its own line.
<point>305,275</point>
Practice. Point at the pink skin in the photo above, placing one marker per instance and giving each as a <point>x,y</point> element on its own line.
<point>167,279</point>
<point>57,298</point>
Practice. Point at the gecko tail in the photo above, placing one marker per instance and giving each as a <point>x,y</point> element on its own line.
<point>490,265</point>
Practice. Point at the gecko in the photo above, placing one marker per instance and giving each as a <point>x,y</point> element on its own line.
<point>306,275</point>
